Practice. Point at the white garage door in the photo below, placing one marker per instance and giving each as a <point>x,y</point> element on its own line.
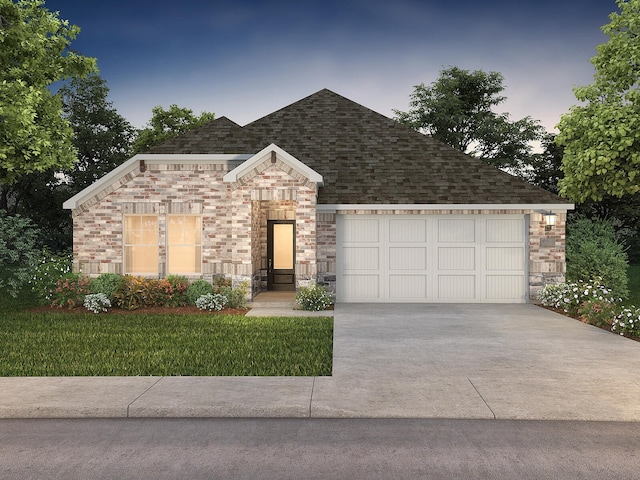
<point>429,258</point>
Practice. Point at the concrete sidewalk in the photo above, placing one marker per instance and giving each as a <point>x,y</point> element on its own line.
<point>412,361</point>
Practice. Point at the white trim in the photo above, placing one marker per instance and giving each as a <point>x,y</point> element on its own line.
<point>562,207</point>
<point>133,163</point>
<point>263,154</point>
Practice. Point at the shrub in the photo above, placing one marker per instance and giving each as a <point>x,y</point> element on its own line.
<point>211,302</point>
<point>236,297</point>
<point>18,251</point>
<point>49,269</point>
<point>173,291</point>
<point>197,289</point>
<point>600,313</point>
<point>314,298</point>
<point>136,292</point>
<point>627,322</point>
<point>570,296</point>
<point>592,251</point>
<point>70,291</point>
<point>97,302</point>
<point>107,284</point>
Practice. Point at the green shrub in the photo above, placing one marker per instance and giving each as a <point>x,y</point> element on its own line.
<point>50,268</point>
<point>197,289</point>
<point>594,251</point>
<point>97,302</point>
<point>19,252</point>
<point>70,291</point>
<point>570,296</point>
<point>314,298</point>
<point>236,297</point>
<point>106,283</point>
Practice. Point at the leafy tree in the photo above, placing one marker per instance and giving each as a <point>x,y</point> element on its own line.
<point>165,124</point>
<point>545,171</point>
<point>35,53</point>
<point>457,110</point>
<point>102,137</point>
<point>19,251</point>
<point>601,137</point>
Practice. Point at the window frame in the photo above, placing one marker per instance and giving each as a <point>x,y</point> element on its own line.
<point>196,246</point>
<point>127,246</point>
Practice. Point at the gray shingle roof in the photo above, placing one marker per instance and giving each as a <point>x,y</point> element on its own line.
<point>364,157</point>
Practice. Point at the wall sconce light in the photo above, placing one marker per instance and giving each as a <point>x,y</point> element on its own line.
<point>143,166</point>
<point>549,220</point>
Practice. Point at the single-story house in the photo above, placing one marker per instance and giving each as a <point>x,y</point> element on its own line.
<point>323,190</point>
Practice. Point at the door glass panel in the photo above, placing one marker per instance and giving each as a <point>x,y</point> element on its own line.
<point>282,246</point>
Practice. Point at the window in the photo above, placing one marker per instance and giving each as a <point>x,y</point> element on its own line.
<point>184,249</point>
<point>141,244</point>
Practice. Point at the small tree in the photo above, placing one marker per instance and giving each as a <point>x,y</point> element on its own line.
<point>19,252</point>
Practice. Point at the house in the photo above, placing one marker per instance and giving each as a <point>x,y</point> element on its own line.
<point>323,190</point>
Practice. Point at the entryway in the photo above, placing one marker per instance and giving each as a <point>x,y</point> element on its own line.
<point>281,248</point>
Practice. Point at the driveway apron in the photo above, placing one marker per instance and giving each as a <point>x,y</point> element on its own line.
<point>476,361</point>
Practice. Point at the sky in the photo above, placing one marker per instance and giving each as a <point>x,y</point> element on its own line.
<point>245,59</point>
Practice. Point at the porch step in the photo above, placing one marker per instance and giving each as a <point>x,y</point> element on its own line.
<point>291,305</point>
<point>274,300</point>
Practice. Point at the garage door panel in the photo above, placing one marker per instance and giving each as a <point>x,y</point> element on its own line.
<point>407,258</point>
<point>408,287</point>
<point>456,287</point>
<point>362,230</point>
<point>505,287</point>
<point>505,258</point>
<point>362,286</point>
<point>361,258</point>
<point>408,230</point>
<point>456,230</point>
<point>457,258</point>
<point>505,230</point>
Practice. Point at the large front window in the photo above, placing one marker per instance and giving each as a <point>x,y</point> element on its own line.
<point>184,245</point>
<point>141,244</point>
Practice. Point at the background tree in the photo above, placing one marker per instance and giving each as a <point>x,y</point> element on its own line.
<point>19,252</point>
<point>545,171</point>
<point>165,124</point>
<point>101,136</point>
<point>34,53</point>
<point>457,110</point>
<point>601,138</point>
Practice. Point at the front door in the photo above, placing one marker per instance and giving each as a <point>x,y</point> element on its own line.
<point>281,247</point>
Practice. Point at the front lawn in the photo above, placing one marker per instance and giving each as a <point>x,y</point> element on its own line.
<point>84,344</point>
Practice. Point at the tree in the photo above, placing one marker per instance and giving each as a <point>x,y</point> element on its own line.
<point>601,137</point>
<point>545,171</point>
<point>165,124</point>
<point>19,252</point>
<point>457,110</point>
<point>35,53</point>
<point>101,136</point>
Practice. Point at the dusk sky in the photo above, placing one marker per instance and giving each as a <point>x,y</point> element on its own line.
<point>244,59</point>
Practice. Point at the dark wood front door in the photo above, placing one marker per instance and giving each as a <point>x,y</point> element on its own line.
<point>281,248</point>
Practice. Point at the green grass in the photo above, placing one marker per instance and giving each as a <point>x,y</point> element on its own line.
<point>62,344</point>
<point>634,284</point>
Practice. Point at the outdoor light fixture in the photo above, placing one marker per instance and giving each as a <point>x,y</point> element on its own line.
<point>549,220</point>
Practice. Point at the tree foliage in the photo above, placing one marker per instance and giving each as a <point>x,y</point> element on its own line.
<point>34,53</point>
<point>165,124</point>
<point>102,137</point>
<point>19,251</point>
<point>601,137</point>
<point>457,110</point>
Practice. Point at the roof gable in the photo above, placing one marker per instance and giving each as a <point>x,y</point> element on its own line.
<point>288,163</point>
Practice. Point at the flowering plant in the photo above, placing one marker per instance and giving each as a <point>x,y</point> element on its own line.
<point>211,302</point>
<point>314,298</point>
<point>70,291</point>
<point>97,302</point>
<point>627,322</point>
<point>50,269</point>
<point>569,296</point>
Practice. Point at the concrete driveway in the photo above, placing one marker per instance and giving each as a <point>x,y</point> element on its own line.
<point>411,361</point>
<point>476,361</point>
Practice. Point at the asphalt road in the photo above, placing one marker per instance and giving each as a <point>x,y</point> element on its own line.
<point>316,448</point>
